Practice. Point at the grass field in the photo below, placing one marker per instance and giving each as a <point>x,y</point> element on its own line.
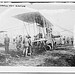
<point>61,56</point>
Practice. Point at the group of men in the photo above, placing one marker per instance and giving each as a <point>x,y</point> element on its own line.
<point>67,40</point>
<point>23,44</point>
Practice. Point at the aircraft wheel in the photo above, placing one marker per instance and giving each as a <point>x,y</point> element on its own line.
<point>48,47</point>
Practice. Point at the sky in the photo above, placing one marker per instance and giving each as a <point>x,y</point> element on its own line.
<point>62,16</point>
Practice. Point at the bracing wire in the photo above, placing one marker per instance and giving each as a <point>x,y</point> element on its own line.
<point>25,28</point>
<point>64,29</point>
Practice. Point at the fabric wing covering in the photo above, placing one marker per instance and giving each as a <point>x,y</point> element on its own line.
<point>34,17</point>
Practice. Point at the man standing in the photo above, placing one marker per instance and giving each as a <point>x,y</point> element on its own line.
<point>72,40</point>
<point>25,46</point>
<point>60,41</point>
<point>6,42</point>
<point>64,39</point>
<point>29,42</point>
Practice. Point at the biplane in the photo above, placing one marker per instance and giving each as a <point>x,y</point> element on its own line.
<point>42,38</point>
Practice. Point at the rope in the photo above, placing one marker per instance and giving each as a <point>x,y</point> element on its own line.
<point>65,29</point>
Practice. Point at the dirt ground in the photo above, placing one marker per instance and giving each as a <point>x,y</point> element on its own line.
<point>61,56</point>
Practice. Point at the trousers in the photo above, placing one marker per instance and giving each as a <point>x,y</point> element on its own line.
<point>6,48</point>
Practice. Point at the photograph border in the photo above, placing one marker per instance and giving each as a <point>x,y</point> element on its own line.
<point>31,3</point>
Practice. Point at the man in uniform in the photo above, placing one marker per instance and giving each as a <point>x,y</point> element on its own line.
<point>72,40</point>
<point>6,42</point>
<point>30,45</point>
<point>64,39</point>
<point>25,46</point>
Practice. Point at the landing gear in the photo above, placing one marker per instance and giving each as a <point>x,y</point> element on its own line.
<point>48,47</point>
